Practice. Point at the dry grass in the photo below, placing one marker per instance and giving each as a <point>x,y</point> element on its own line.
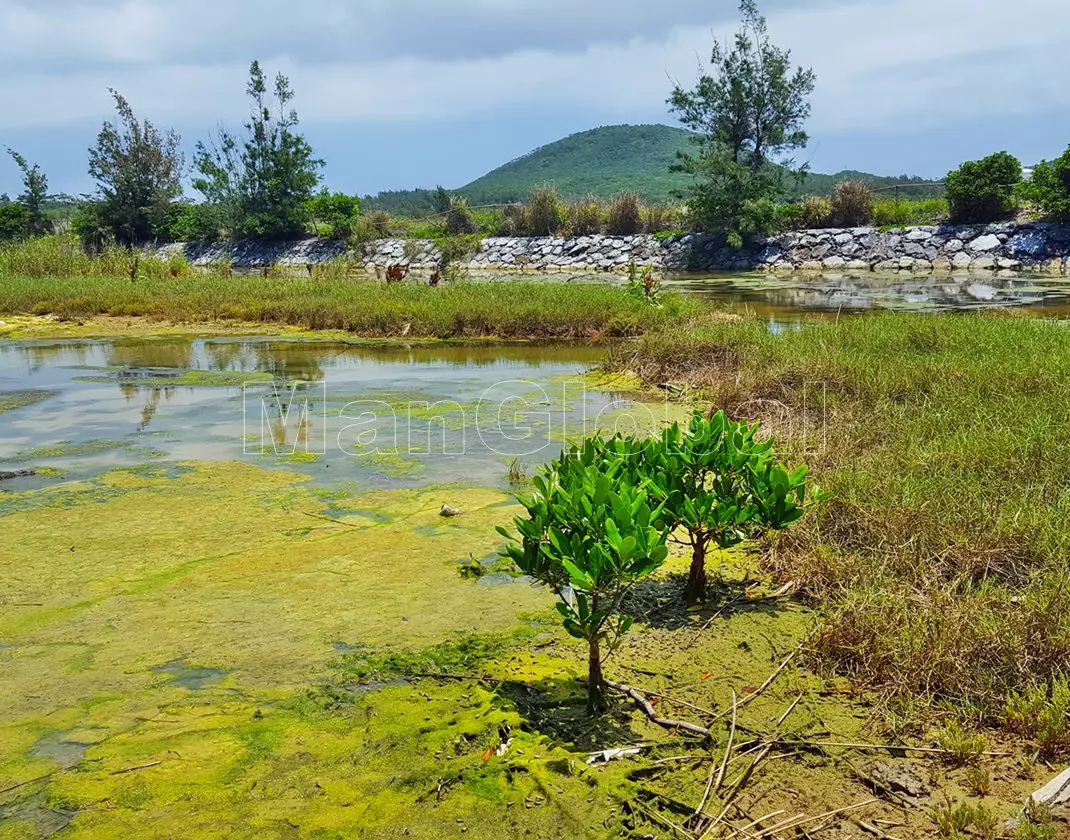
<point>945,441</point>
<point>585,217</point>
<point>625,215</point>
<point>852,204</point>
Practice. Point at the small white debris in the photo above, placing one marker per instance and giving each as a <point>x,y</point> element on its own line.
<point>607,756</point>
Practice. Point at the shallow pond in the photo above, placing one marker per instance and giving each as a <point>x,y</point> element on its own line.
<point>377,415</point>
<point>785,296</point>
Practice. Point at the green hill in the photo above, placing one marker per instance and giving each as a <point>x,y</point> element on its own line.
<point>605,162</point>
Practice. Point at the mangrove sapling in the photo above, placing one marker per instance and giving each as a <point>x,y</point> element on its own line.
<point>592,532</point>
<point>721,485</point>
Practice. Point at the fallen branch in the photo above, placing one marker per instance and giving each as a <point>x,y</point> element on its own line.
<point>28,782</point>
<point>139,767</point>
<point>802,819</point>
<point>330,519</point>
<point>872,829</point>
<point>667,723</point>
<point>727,749</point>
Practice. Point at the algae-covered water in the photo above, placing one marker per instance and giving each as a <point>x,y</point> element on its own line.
<point>226,598</point>
<point>216,528</point>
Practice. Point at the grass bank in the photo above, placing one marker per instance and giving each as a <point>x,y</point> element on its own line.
<point>52,276</point>
<point>945,442</point>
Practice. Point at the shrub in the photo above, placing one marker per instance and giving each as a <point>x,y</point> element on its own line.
<point>14,220</point>
<point>626,215</point>
<point>816,211</point>
<point>591,533</point>
<point>722,485</point>
<point>890,212</point>
<point>963,747</point>
<point>983,190</point>
<point>337,211</point>
<point>658,218</point>
<point>459,221</point>
<point>544,211</point>
<point>852,204</point>
<point>789,216</point>
<point>381,223</point>
<point>584,217</point>
<point>514,221</point>
<point>1042,712</point>
<point>191,223</point>
<point>1049,188</point>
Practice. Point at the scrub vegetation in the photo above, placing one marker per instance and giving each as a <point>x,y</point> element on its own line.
<point>942,442</point>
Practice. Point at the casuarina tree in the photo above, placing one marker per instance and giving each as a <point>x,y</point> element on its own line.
<point>748,111</point>
<point>138,170</point>
<point>263,182</point>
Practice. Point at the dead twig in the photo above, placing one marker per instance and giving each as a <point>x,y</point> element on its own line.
<point>666,723</point>
<point>28,782</point>
<point>139,767</point>
<point>772,678</point>
<point>802,819</point>
<point>727,749</point>
<point>872,829</point>
<point>329,519</point>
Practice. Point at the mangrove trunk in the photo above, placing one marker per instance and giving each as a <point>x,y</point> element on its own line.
<point>696,579</point>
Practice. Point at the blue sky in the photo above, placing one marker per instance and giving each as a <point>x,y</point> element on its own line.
<point>406,93</point>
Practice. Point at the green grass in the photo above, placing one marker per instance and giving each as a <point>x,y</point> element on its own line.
<point>49,277</point>
<point>945,442</point>
<point>887,212</point>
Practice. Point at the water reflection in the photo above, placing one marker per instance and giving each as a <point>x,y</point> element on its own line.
<point>779,296</point>
<point>380,415</point>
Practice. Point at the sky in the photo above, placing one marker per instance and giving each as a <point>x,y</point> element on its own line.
<point>397,94</point>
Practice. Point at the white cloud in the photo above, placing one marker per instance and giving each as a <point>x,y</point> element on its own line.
<point>880,65</point>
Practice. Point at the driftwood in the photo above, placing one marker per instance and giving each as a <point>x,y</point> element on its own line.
<point>1055,792</point>
<point>7,476</point>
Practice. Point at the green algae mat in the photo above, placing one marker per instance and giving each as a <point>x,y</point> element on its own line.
<point>211,627</point>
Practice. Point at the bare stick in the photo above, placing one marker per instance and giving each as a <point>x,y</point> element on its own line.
<point>872,829</point>
<point>769,681</point>
<point>329,519</point>
<point>28,782</point>
<point>802,819</point>
<point>139,767</point>
<point>675,700</point>
<point>644,704</point>
<point>728,749</point>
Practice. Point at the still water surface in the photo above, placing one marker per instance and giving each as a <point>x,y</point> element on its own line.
<point>379,416</point>
<point>794,296</point>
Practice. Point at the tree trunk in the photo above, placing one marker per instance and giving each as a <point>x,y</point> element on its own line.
<point>596,686</point>
<point>696,579</point>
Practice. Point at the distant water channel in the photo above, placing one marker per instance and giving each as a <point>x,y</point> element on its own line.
<point>786,297</point>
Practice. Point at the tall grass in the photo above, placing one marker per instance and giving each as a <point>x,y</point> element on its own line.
<point>37,279</point>
<point>945,442</point>
<point>889,212</point>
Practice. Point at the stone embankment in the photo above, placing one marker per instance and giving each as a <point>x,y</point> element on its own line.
<point>1006,247</point>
